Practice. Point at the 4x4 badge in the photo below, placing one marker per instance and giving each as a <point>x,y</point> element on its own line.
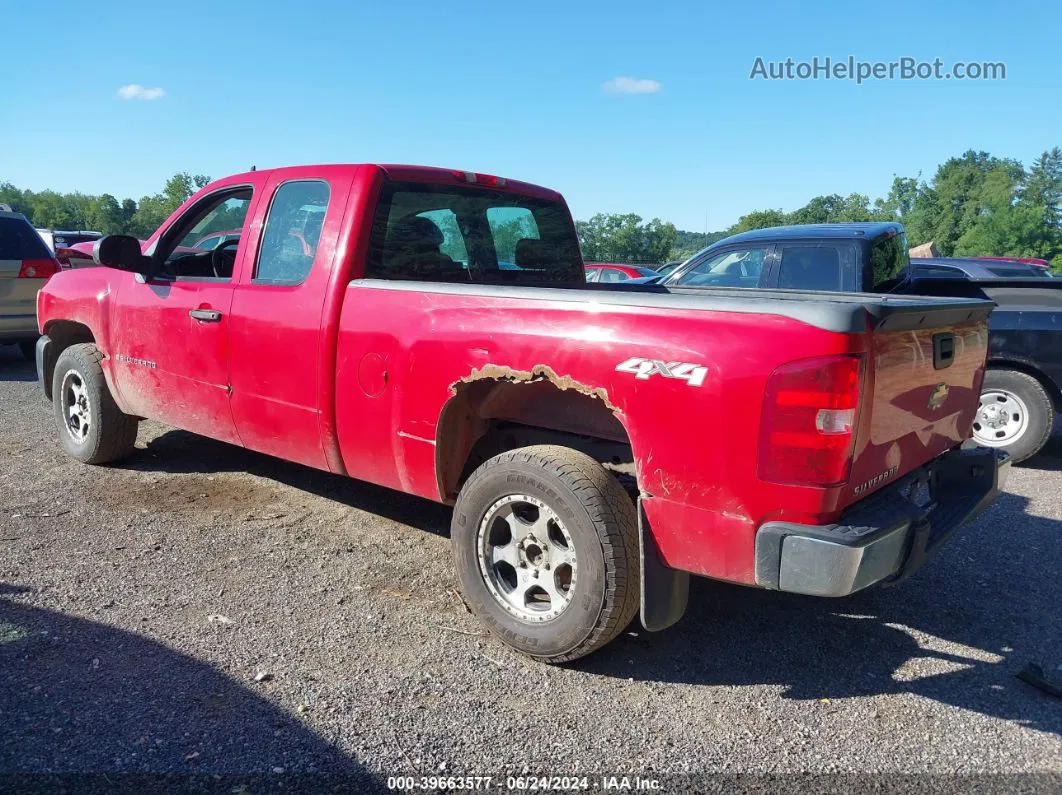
<point>692,374</point>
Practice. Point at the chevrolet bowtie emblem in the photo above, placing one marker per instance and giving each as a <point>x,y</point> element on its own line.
<point>938,396</point>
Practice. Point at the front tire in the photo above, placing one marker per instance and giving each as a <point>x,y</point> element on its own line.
<point>545,543</point>
<point>92,428</point>
<point>1015,414</point>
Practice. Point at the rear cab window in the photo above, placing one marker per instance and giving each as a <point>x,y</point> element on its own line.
<point>430,232</point>
<point>20,241</point>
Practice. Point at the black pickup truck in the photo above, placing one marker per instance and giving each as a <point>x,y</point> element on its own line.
<point>1023,386</point>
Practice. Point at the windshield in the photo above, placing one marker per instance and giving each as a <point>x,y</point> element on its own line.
<point>468,234</point>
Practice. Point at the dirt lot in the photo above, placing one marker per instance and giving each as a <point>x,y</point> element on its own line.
<point>202,609</point>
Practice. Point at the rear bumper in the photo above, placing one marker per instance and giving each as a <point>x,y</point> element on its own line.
<point>887,536</point>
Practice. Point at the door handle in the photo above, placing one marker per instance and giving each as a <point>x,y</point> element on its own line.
<point>205,315</point>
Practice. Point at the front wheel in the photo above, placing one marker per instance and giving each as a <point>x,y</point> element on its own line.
<point>545,542</point>
<point>1015,414</point>
<point>92,428</point>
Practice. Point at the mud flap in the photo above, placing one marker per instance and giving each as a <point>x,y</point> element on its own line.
<point>43,359</point>
<point>665,591</point>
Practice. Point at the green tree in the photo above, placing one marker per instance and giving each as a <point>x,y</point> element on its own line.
<point>820,210</point>
<point>958,188</point>
<point>901,200</point>
<point>52,210</point>
<point>614,237</point>
<point>1043,187</point>
<point>759,219</point>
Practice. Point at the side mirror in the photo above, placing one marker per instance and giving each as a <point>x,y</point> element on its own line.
<point>121,252</point>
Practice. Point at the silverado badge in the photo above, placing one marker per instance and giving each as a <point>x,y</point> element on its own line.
<point>938,396</point>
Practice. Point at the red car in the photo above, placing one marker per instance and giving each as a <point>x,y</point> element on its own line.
<point>614,272</point>
<point>575,431</point>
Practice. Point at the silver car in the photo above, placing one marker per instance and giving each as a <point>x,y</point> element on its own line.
<point>25,265</point>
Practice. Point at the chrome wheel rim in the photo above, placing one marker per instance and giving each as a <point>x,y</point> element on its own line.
<point>527,558</point>
<point>77,410</point>
<point>1002,418</point>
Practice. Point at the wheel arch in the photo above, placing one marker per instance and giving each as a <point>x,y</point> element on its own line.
<point>491,415</point>
<point>1048,383</point>
<point>61,335</point>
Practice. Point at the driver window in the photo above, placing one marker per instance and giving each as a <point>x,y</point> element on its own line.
<point>207,242</point>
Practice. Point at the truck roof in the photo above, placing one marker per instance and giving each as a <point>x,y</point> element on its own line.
<point>815,232</point>
<point>412,173</point>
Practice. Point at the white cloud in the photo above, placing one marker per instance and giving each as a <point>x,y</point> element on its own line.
<point>630,85</point>
<point>134,91</point>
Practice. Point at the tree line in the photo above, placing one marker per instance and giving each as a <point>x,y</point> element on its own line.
<point>975,204</point>
<point>48,209</point>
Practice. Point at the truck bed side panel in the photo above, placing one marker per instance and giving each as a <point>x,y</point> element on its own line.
<point>403,354</point>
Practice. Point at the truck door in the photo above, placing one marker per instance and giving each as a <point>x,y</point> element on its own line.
<point>277,315</point>
<point>170,333</point>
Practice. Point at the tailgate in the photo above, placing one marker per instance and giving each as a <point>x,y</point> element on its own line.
<point>17,296</point>
<point>922,385</point>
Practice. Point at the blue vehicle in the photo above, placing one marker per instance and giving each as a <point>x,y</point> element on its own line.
<point>1022,389</point>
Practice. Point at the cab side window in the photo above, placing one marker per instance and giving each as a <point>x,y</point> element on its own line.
<point>740,267</point>
<point>221,215</point>
<point>292,232</point>
<point>828,266</point>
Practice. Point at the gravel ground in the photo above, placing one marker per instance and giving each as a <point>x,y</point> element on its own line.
<point>202,609</point>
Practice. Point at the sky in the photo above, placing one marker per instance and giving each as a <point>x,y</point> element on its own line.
<point>623,107</point>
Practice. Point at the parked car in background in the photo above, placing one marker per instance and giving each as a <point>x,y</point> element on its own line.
<point>26,264</point>
<point>615,272</point>
<point>78,255</point>
<point>1023,386</point>
<point>1041,263</point>
<point>542,407</point>
<point>57,239</point>
<point>215,239</point>
<point>975,268</point>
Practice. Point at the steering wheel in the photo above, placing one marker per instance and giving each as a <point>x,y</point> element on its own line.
<point>215,259</point>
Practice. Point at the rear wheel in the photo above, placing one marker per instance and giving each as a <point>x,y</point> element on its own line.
<point>1015,414</point>
<point>92,428</point>
<point>545,543</point>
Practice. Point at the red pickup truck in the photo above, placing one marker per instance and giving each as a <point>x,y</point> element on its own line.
<point>432,331</point>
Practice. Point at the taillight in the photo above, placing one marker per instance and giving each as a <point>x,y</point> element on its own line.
<point>807,429</point>
<point>39,268</point>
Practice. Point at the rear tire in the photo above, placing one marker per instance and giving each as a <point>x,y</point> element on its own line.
<point>92,428</point>
<point>1016,414</point>
<point>563,537</point>
<point>29,349</point>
